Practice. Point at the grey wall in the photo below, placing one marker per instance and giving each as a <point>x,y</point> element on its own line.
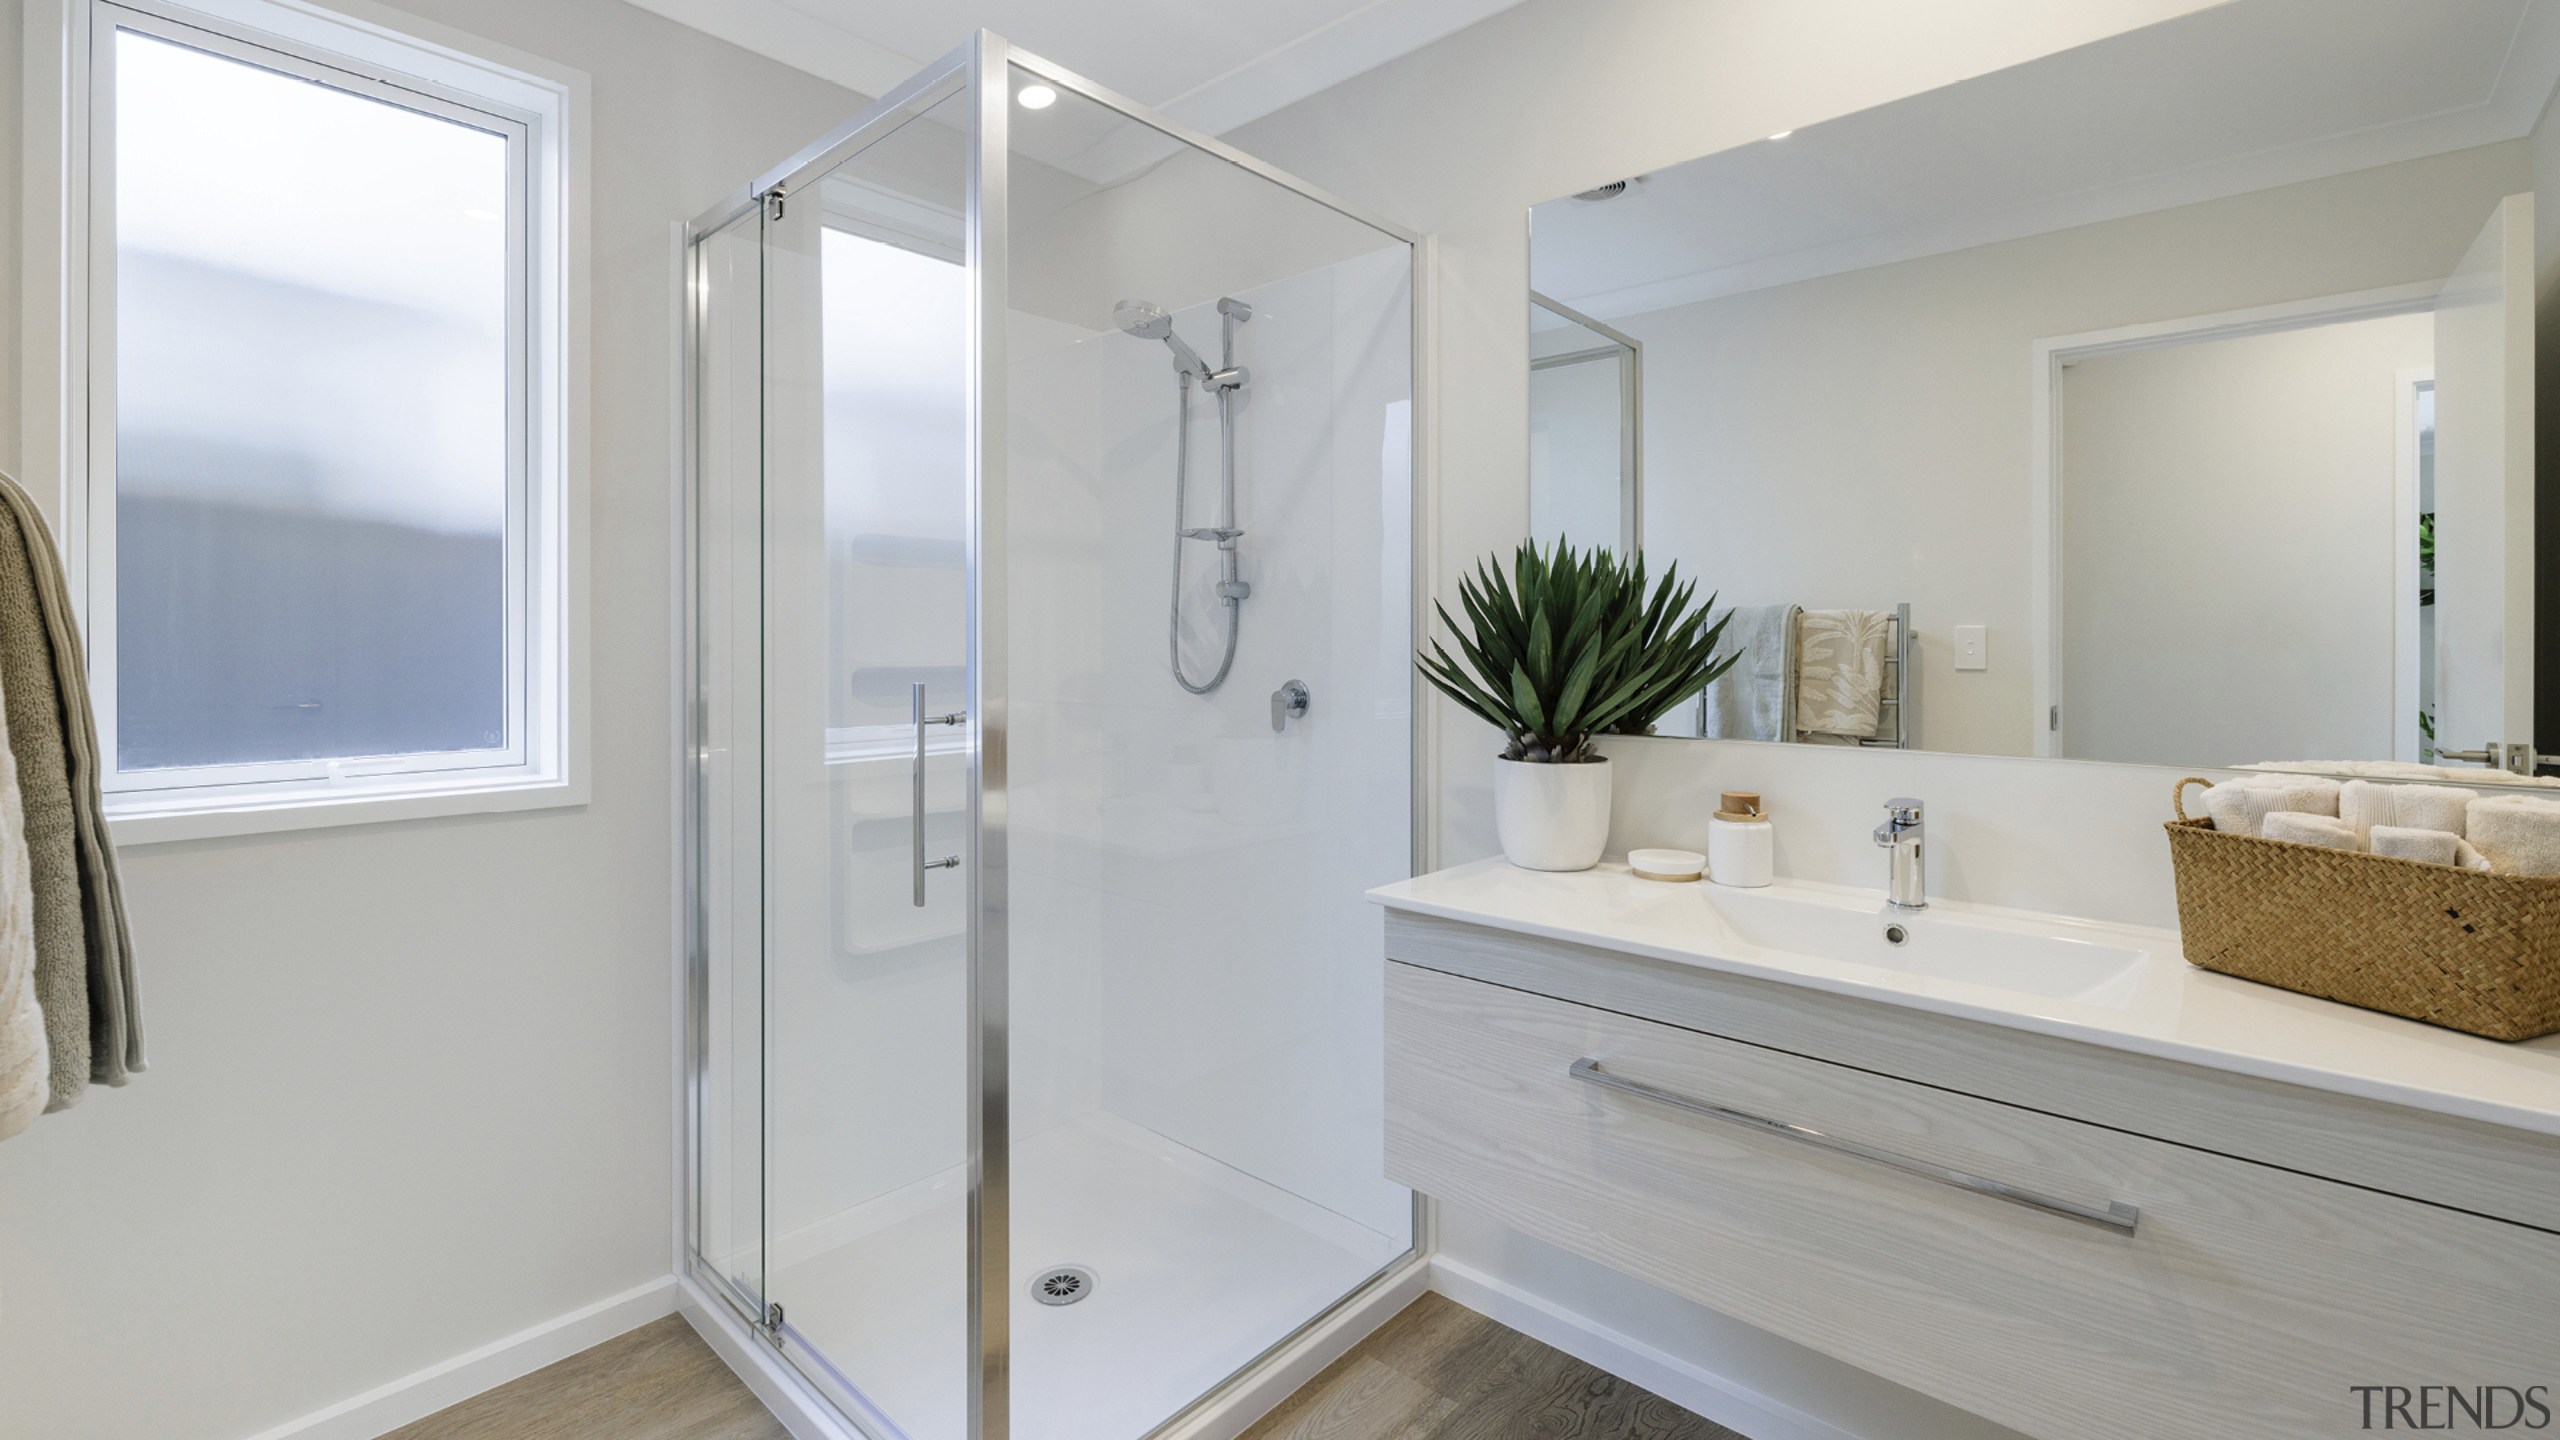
<point>411,1084</point>
<point>13,25</point>
<point>2175,462</point>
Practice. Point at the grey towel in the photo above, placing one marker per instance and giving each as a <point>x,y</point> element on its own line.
<point>35,602</point>
<point>31,700</point>
<point>1749,701</point>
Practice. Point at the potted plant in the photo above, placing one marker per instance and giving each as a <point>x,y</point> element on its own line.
<point>1566,647</point>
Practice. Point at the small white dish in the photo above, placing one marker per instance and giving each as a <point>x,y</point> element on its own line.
<point>1668,865</point>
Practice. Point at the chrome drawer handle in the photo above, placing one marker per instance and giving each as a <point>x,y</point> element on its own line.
<point>2118,1216</point>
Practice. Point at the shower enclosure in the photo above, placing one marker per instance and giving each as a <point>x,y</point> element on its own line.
<point>1035,1072</point>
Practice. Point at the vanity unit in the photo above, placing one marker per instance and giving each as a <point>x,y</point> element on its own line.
<point>2040,1169</point>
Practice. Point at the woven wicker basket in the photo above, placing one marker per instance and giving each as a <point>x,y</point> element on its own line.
<point>2458,948</point>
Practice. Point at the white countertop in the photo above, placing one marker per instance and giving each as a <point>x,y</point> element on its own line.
<point>2165,1007</point>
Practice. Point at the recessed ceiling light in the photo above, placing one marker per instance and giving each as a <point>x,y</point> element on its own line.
<point>1781,135</point>
<point>1036,97</point>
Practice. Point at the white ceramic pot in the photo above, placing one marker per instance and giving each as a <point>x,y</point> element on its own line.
<point>1551,817</point>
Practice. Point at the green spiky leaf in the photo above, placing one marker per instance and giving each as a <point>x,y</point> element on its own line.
<point>1561,645</point>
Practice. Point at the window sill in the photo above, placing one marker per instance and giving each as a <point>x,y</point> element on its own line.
<point>141,825</point>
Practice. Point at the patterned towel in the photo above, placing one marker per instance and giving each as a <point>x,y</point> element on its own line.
<point>1840,671</point>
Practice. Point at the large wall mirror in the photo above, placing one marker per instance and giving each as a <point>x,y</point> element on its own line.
<point>2167,400</point>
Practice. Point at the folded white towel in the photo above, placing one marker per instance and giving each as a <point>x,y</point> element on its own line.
<point>2403,842</point>
<point>2301,829</point>
<point>2364,804</point>
<point>2240,807</point>
<point>2467,856</point>
<point>2519,833</point>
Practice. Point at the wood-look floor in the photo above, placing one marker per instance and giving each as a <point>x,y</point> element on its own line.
<point>1438,1371</point>
<point>659,1382</point>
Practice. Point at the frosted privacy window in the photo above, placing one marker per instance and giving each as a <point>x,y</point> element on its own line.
<point>317,462</point>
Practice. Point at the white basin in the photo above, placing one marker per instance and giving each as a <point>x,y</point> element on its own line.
<point>1940,946</point>
<point>2125,987</point>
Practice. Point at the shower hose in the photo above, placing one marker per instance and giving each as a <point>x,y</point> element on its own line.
<point>1226,538</point>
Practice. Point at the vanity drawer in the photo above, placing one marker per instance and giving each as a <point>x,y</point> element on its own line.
<point>2246,1300</point>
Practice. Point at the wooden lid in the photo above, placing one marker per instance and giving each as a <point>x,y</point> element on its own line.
<point>1739,805</point>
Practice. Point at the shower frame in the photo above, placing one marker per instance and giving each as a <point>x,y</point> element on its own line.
<point>980,68</point>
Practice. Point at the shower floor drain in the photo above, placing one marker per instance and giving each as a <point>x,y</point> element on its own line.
<point>1064,1285</point>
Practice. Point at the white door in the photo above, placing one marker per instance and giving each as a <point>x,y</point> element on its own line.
<point>2484,488</point>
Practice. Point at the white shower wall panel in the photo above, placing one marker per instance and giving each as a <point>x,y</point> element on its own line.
<point>1190,951</point>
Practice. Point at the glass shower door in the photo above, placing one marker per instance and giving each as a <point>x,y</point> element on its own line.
<point>866,604</point>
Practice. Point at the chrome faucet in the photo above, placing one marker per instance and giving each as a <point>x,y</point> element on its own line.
<point>1907,887</point>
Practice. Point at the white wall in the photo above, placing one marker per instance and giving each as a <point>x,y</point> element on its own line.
<point>1863,439</point>
<point>411,1083</point>
<point>2231,543</point>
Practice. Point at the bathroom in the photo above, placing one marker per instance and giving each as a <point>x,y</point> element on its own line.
<point>594,1076</point>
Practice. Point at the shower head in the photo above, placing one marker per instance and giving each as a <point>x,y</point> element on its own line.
<point>1149,321</point>
<point>1142,318</point>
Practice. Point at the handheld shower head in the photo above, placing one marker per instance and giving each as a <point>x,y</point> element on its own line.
<point>1142,318</point>
<point>1149,321</point>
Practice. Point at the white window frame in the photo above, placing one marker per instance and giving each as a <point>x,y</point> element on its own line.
<point>382,54</point>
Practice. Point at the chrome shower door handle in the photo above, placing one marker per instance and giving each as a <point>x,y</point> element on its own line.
<point>915,829</point>
<point>2117,1216</point>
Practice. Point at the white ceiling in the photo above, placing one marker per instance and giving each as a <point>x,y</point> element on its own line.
<point>2218,102</point>
<point>1212,66</point>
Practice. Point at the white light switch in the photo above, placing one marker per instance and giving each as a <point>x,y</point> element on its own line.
<point>1972,651</point>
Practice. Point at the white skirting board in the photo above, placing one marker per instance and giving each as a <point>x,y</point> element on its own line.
<point>414,1397</point>
<point>1734,1406</point>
